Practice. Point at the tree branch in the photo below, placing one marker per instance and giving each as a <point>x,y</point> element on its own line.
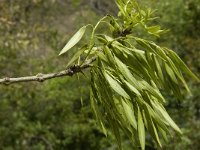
<point>42,77</point>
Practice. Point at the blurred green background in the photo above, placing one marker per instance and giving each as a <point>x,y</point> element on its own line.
<point>49,115</point>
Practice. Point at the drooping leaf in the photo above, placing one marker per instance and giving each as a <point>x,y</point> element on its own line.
<point>179,75</point>
<point>158,69</point>
<point>133,89</point>
<point>127,74</point>
<point>129,114</point>
<point>141,129</point>
<point>181,64</point>
<point>76,55</point>
<point>116,86</point>
<point>171,73</point>
<point>161,109</point>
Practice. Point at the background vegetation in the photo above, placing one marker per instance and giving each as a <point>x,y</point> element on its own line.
<point>49,115</point>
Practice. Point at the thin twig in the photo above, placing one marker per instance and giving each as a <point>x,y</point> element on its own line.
<point>42,77</point>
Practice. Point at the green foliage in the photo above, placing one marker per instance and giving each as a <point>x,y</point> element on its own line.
<point>74,40</point>
<point>129,73</point>
<point>34,115</point>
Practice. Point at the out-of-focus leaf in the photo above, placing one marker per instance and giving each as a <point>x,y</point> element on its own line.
<point>155,30</point>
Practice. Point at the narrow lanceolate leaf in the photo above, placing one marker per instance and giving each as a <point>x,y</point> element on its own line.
<point>129,114</point>
<point>179,75</point>
<point>127,74</point>
<point>158,68</point>
<point>133,89</point>
<point>116,86</point>
<point>163,133</point>
<point>156,134</point>
<point>180,64</point>
<point>141,130</point>
<point>76,55</point>
<point>93,99</point>
<point>145,45</point>
<point>162,110</point>
<point>97,114</point>
<point>74,40</point>
<point>171,73</point>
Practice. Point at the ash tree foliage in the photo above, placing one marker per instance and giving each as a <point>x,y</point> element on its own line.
<point>129,75</point>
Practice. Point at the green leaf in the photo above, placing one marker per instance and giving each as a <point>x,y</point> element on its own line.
<point>171,73</point>
<point>74,40</point>
<point>102,57</point>
<point>141,130</point>
<point>77,55</point>
<point>152,128</point>
<point>179,75</point>
<point>133,89</point>
<point>180,64</point>
<point>120,5</point>
<point>143,43</point>
<point>97,113</point>
<point>127,74</point>
<point>155,92</point>
<point>160,51</point>
<point>158,68</point>
<point>163,133</point>
<point>116,86</point>
<point>129,114</point>
<point>159,120</point>
<point>109,56</point>
<point>153,29</point>
<point>156,134</point>
<point>93,101</point>
<point>162,110</point>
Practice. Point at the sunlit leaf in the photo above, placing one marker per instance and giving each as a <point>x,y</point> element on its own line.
<point>74,40</point>
<point>116,86</point>
<point>129,114</point>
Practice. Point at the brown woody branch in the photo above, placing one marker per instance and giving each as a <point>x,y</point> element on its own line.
<point>42,77</point>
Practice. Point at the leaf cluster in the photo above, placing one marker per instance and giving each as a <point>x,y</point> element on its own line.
<point>129,74</point>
